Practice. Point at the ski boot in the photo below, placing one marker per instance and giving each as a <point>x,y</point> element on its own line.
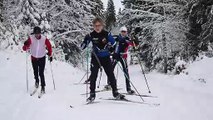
<point>130,92</point>
<point>118,96</point>
<point>36,85</point>
<point>43,90</point>
<point>91,98</point>
<point>87,81</point>
<point>107,87</point>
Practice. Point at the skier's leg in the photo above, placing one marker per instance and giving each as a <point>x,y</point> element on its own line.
<point>42,63</point>
<point>126,73</point>
<point>109,72</point>
<point>94,74</point>
<point>113,62</point>
<point>35,71</point>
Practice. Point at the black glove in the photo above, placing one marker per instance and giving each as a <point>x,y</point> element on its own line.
<point>124,44</point>
<point>50,58</point>
<point>111,49</point>
<point>116,56</point>
<point>48,54</point>
<point>26,43</point>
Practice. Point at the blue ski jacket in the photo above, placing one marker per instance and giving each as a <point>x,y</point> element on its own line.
<point>100,42</point>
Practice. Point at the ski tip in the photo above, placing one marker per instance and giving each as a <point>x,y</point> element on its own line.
<point>71,106</point>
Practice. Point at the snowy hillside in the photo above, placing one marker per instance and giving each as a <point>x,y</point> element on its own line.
<point>183,97</point>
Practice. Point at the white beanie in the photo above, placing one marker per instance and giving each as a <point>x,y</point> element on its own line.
<point>123,29</point>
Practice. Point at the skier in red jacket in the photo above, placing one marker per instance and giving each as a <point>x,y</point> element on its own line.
<point>37,43</point>
<point>120,55</point>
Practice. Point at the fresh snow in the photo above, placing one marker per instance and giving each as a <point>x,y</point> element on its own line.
<point>181,97</point>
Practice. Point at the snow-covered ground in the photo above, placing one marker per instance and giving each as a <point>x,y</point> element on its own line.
<point>182,97</point>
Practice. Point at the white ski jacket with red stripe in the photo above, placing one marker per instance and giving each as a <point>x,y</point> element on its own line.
<point>38,46</point>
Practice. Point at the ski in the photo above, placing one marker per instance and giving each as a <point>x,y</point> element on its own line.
<point>91,102</point>
<point>140,95</point>
<point>40,95</point>
<point>80,83</point>
<point>122,100</point>
<point>98,91</point>
<point>87,103</point>
<point>34,92</point>
<point>130,101</point>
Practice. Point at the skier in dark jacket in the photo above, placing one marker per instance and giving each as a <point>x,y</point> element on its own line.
<point>101,40</point>
<point>120,55</point>
<point>37,44</point>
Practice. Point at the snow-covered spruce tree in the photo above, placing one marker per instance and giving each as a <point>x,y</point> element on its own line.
<point>21,16</point>
<point>207,34</point>
<point>110,15</point>
<point>97,8</point>
<point>200,22</point>
<point>1,10</point>
<point>64,22</point>
<point>70,21</point>
<point>161,28</point>
<point>1,20</point>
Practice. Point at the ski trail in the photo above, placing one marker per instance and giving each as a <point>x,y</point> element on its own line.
<point>180,97</point>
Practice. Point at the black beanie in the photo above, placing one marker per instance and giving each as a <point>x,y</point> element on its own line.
<point>37,30</point>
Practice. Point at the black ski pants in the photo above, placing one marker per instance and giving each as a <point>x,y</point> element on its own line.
<point>107,66</point>
<point>124,64</point>
<point>38,68</point>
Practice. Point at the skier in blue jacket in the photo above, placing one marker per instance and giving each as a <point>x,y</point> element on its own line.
<point>101,40</point>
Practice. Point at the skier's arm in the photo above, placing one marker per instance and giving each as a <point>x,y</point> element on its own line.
<point>128,42</point>
<point>27,44</point>
<point>49,47</point>
<point>86,42</point>
<point>111,39</point>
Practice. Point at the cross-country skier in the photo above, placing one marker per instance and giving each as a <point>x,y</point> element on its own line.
<point>101,40</point>
<point>120,55</point>
<point>37,44</point>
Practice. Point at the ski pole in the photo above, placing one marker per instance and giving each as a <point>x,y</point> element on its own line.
<point>143,72</point>
<point>82,78</point>
<point>146,81</point>
<point>52,75</point>
<point>87,74</point>
<point>99,82</point>
<point>27,80</point>
<point>131,83</point>
<point>117,72</point>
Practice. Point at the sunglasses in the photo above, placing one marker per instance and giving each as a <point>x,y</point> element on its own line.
<point>98,25</point>
<point>123,31</point>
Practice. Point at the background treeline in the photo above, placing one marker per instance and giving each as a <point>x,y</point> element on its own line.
<point>169,31</point>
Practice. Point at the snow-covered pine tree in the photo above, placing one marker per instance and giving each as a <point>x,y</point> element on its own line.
<point>64,22</point>
<point>161,28</point>
<point>1,25</point>
<point>21,16</point>
<point>97,8</point>
<point>110,15</point>
<point>128,4</point>
<point>70,21</point>
<point>1,9</point>
<point>200,23</point>
<point>207,33</point>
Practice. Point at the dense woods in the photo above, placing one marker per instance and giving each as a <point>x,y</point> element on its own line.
<point>169,31</point>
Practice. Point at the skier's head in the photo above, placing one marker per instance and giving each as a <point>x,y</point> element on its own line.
<point>98,24</point>
<point>123,31</point>
<point>37,31</point>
